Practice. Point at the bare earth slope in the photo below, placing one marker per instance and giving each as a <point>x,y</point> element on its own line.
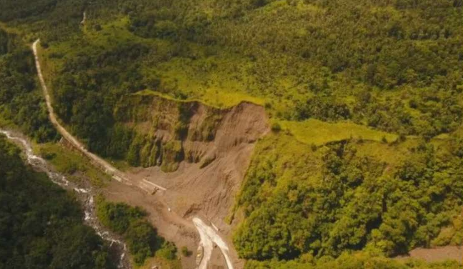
<point>198,195</point>
<point>216,152</point>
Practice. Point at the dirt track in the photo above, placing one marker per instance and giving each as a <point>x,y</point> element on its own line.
<point>436,254</point>
<point>51,113</point>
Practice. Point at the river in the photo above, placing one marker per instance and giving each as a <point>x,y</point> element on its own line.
<point>85,194</point>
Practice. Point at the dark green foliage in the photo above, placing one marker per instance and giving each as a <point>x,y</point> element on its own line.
<point>151,25</point>
<point>120,142</point>
<point>21,98</point>
<point>276,127</point>
<point>118,216</point>
<point>40,224</point>
<point>323,108</point>
<point>86,93</point>
<point>142,240</point>
<point>140,236</point>
<point>57,19</point>
<point>5,41</point>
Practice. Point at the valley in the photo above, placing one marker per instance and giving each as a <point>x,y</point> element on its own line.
<point>163,213</point>
<point>256,134</point>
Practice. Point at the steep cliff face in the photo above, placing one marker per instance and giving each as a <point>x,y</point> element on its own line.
<point>167,132</point>
<point>198,153</point>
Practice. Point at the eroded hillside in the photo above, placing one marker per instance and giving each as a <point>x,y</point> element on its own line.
<point>164,132</point>
<point>337,124</point>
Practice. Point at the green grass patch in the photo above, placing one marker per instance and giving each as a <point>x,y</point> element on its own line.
<point>212,98</point>
<point>318,132</point>
<point>70,162</point>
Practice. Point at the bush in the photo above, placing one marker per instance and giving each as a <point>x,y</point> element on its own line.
<point>168,251</point>
<point>276,127</point>
<point>117,216</point>
<point>186,252</point>
<point>141,238</point>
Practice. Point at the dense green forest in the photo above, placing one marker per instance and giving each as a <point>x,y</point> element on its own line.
<point>351,261</point>
<point>347,197</point>
<point>40,224</point>
<point>138,233</point>
<point>21,101</point>
<point>393,66</point>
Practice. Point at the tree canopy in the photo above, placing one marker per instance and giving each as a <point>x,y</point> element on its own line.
<point>41,225</point>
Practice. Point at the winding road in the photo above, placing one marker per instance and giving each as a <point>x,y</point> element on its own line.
<point>208,235</point>
<point>109,169</point>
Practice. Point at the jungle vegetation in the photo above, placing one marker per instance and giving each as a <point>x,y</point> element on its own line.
<point>141,238</point>
<point>21,100</point>
<point>383,79</point>
<point>41,225</point>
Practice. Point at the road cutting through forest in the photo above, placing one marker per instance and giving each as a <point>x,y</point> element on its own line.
<point>209,236</point>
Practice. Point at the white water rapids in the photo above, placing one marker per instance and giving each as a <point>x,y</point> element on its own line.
<point>85,194</point>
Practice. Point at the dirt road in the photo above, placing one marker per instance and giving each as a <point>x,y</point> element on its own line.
<point>116,174</point>
<point>208,235</point>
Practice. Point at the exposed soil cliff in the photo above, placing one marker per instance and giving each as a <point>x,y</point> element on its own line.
<point>168,132</point>
<point>199,153</point>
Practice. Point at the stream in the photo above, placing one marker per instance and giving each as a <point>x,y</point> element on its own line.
<point>85,195</point>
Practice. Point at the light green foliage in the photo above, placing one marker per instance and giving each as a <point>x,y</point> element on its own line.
<point>334,199</point>
<point>331,61</point>
<point>172,155</point>
<point>320,133</point>
<point>168,251</point>
<point>354,260</point>
<point>326,72</point>
<point>69,161</point>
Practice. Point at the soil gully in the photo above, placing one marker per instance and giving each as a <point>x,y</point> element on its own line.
<point>85,195</point>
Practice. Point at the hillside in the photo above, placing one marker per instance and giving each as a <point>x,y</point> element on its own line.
<point>307,130</point>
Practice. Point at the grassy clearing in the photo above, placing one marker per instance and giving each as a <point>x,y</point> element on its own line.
<point>392,154</point>
<point>110,34</point>
<point>220,81</point>
<point>317,132</point>
<point>71,163</point>
<point>217,80</point>
<point>214,100</point>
